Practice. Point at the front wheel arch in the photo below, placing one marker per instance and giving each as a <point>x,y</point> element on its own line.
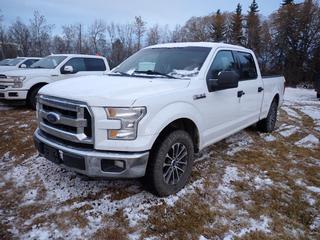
<point>32,94</point>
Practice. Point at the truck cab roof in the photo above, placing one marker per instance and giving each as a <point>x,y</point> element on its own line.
<point>197,44</point>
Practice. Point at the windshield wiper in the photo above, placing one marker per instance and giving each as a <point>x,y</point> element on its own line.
<point>149,72</point>
<point>121,73</point>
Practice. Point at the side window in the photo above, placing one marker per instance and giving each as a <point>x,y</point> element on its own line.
<point>77,64</point>
<point>95,64</point>
<point>29,62</point>
<point>248,69</point>
<point>223,61</point>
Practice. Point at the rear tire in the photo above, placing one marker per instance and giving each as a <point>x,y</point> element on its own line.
<point>32,97</point>
<point>268,124</point>
<point>318,95</point>
<point>170,164</point>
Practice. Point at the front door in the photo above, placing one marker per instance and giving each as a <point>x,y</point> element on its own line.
<point>221,108</point>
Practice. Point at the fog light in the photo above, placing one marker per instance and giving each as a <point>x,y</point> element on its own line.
<point>112,165</point>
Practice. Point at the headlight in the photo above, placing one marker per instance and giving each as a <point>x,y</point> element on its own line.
<point>129,118</point>
<point>17,81</point>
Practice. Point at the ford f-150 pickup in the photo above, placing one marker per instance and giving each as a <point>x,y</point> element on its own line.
<point>150,114</point>
<point>23,85</point>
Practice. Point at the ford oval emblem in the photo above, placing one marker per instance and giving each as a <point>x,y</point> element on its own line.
<point>53,117</point>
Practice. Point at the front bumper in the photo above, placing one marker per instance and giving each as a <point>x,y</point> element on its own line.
<point>91,162</point>
<point>13,94</point>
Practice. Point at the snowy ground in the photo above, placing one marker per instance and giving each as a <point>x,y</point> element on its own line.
<point>249,186</point>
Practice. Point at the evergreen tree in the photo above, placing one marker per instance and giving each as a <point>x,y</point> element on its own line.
<point>287,2</point>
<point>253,28</point>
<point>218,27</point>
<point>236,26</point>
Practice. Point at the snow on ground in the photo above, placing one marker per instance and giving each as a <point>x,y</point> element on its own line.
<point>261,225</point>
<point>309,141</point>
<point>238,142</point>
<point>247,185</point>
<point>292,113</point>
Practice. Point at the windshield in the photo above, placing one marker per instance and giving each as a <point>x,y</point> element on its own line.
<point>14,62</point>
<point>180,62</point>
<point>49,62</point>
<point>4,62</point>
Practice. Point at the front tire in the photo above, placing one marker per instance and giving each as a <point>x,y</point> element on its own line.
<point>318,95</point>
<point>32,97</point>
<point>170,164</point>
<point>268,124</point>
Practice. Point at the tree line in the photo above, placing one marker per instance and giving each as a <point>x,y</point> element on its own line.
<point>286,42</point>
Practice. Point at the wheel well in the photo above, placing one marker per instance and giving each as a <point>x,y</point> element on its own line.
<point>38,85</point>
<point>181,124</point>
<point>277,98</point>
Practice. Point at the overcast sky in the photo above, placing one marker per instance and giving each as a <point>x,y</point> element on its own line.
<point>171,12</point>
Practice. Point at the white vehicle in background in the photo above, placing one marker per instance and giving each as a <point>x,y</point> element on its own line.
<point>150,114</point>
<point>3,62</point>
<point>16,63</point>
<point>24,84</point>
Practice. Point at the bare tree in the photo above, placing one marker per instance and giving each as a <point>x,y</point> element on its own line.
<point>153,35</point>
<point>40,35</point>
<point>139,29</point>
<point>97,35</point>
<point>19,33</point>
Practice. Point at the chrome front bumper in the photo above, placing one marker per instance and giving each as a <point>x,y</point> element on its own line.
<point>91,162</point>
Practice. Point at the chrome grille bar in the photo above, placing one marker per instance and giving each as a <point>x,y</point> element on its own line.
<point>70,123</point>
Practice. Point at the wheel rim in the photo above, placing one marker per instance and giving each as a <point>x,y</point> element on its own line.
<point>175,163</point>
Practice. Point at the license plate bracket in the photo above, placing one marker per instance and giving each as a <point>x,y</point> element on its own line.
<point>51,154</point>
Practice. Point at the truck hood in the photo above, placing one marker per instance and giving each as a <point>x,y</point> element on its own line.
<point>7,68</point>
<point>27,72</point>
<point>111,90</point>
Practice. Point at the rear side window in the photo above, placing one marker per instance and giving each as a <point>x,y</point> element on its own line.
<point>95,64</point>
<point>248,69</point>
<point>223,61</point>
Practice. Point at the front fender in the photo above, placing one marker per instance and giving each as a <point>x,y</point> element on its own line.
<point>29,83</point>
<point>159,120</point>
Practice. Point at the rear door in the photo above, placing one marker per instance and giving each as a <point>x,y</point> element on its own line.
<point>250,88</point>
<point>95,66</point>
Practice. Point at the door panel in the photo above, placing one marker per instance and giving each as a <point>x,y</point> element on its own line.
<point>250,102</point>
<point>221,108</point>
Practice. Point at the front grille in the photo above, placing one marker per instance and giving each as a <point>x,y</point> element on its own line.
<point>63,119</point>
<point>3,76</point>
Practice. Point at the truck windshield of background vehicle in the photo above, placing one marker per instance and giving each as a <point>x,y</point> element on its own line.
<point>4,62</point>
<point>180,62</point>
<point>49,62</point>
<point>14,62</point>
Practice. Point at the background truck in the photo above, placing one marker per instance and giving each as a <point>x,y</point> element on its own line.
<point>17,63</point>
<point>150,114</point>
<point>25,84</point>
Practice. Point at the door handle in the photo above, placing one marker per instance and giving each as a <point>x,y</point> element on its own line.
<point>260,89</point>
<point>241,93</point>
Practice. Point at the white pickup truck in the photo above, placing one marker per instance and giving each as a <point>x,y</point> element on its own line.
<point>17,63</point>
<point>150,114</point>
<point>24,84</point>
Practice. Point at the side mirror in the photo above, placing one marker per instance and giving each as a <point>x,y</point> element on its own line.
<point>68,69</point>
<point>23,65</point>
<point>226,80</point>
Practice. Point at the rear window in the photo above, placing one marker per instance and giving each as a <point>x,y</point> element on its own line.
<point>248,69</point>
<point>95,64</point>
